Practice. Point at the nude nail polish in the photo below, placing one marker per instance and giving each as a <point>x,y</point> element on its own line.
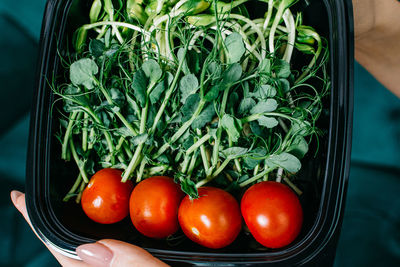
<point>95,254</point>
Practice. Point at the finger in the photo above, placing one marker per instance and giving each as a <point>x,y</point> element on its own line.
<point>113,253</point>
<point>18,200</point>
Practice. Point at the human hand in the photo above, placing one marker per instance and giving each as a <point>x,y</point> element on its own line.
<point>105,252</point>
<point>377,39</point>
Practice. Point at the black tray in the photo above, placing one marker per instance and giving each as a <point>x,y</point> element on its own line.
<point>323,178</point>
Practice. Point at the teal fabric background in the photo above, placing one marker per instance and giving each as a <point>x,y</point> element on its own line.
<point>371,230</point>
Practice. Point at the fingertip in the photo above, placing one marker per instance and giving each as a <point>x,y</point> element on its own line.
<point>15,196</point>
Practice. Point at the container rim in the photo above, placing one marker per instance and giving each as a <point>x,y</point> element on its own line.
<point>331,206</point>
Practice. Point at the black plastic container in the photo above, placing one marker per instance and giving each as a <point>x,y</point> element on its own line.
<point>324,178</point>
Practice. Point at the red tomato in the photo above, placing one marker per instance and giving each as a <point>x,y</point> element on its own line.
<point>154,206</point>
<point>105,198</point>
<point>272,213</point>
<point>213,220</point>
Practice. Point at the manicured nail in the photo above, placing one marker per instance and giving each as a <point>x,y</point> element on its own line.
<point>95,254</point>
<point>14,196</point>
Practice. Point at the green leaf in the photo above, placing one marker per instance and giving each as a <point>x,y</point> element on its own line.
<point>254,157</point>
<point>82,72</point>
<point>228,123</point>
<point>139,86</point>
<point>282,68</point>
<point>188,86</point>
<point>190,107</point>
<point>212,94</point>
<point>96,48</point>
<point>298,147</point>
<point>244,178</point>
<point>152,112</point>
<point>75,93</point>
<point>156,93</point>
<point>256,129</point>
<point>285,85</point>
<point>214,70</point>
<point>124,131</point>
<point>193,60</point>
<point>187,185</point>
<point>286,161</point>
<point>264,91</point>
<point>160,88</point>
<point>231,75</point>
<point>264,106</point>
<point>234,152</point>
<point>132,104</point>
<point>163,159</point>
<point>265,66</point>
<point>182,56</point>
<point>189,141</point>
<point>205,117</point>
<point>267,122</point>
<point>235,47</point>
<point>233,101</point>
<point>246,105</point>
<point>139,139</point>
<point>117,96</point>
<point>152,70</point>
<point>302,128</point>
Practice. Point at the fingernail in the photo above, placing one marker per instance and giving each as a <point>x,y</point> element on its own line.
<point>95,254</point>
<point>14,196</point>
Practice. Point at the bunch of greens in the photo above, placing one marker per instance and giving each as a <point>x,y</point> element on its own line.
<point>194,89</point>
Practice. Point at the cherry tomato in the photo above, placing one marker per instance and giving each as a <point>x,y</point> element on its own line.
<point>213,220</point>
<point>272,213</point>
<point>154,206</point>
<point>105,198</point>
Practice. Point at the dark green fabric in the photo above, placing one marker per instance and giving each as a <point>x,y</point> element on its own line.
<point>371,229</point>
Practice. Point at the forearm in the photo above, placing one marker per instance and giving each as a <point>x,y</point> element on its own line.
<point>377,42</point>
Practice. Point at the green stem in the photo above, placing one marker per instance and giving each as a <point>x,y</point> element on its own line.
<point>169,93</point>
<point>72,191</point>
<point>141,170</point>
<point>256,177</point>
<point>106,134</point>
<point>91,139</point>
<point>215,174</point>
<point>158,170</point>
<point>81,188</point>
<point>127,150</point>
<point>115,23</point>
<point>85,132</point>
<point>181,130</point>
<point>132,164</point>
<point>215,155</point>
<point>119,115</point>
<point>237,163</point>
<point>204,155</point>
<point>79,163</point>
<point>198,143</point>
<point>71,122</point>
<point>277,19</point>
<point>192,163</point>
<point>314,60</point>
<point>136,157</point>
<point>273,114</point>
<point>185,163</point>
<point>256,169</point>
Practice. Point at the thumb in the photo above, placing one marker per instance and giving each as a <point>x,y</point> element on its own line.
<point>112,253</point>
